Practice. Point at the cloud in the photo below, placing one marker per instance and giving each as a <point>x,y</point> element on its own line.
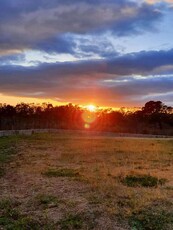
<point>156,1</point>
<point>60,44</point>
<point>90,32</point>
<point>78,46</point>
<point>123,79</point>
<point>7,59</point>
<point>35,23</point>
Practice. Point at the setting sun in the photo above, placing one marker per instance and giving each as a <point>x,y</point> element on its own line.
<point>91,108</point>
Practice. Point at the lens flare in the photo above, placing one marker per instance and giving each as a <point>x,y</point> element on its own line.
<point>88,118</point>
<point>87,126</point>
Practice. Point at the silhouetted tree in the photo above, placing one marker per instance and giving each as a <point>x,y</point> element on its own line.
<point>154,116</point>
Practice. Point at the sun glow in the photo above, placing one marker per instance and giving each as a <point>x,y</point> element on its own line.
<point>89,116</point>
<point>91,108</point>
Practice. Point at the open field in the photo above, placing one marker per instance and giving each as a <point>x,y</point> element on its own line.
<point>77,181</point>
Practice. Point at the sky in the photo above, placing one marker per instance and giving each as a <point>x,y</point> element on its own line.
<point>110,53</point>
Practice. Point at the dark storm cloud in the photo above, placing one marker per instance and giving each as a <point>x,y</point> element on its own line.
<point>37,23</point>
<point>111,79</point>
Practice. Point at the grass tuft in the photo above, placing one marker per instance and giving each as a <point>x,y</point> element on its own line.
<point>142,180</point>
<point>71,222</point>
<point>47,200</point>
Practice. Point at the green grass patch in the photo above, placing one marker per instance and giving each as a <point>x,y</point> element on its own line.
<point>2,171</point>
<point>142,180</point>
<point>7,150</point>
<point>154,217</point>
<point>12,219</point>
<point>24,223</point>
<point>47,200</point>
<point>64,172</point>
<point>71,222</point>
<point>20,222</point>
<point>7,204</point>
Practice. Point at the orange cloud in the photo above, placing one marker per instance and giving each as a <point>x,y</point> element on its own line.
<point>15,100</point>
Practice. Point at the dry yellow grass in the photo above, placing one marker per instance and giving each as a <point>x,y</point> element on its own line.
<point>95,192</point>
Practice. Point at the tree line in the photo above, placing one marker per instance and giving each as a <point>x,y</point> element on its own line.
<point>154,118</point>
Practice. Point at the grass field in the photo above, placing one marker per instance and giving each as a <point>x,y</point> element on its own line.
<point>80,181</point>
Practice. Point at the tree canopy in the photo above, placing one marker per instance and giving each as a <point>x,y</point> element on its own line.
<point>155,117</point>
